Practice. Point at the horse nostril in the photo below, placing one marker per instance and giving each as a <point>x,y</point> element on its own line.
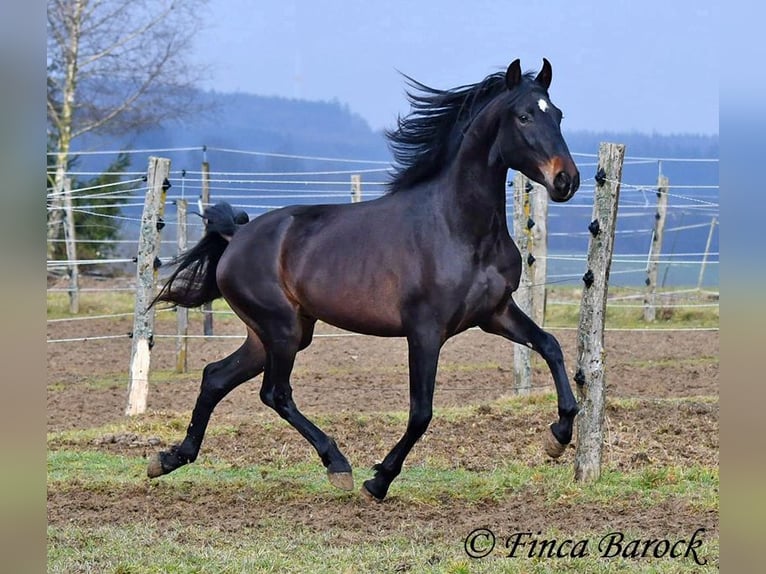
<point>562,182</point>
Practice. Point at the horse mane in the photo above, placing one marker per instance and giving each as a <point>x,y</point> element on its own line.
<point>425,140</point>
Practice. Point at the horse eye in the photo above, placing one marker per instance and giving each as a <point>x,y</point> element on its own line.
<point>524,118</point>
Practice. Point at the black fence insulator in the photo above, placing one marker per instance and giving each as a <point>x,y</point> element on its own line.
<point>530,259</point>
<point>579,378</point>
<point>144,178</point>
<point>647,282</point>
<point>528,187</point>
<point>160,224</point>
<point>151,341</point>
<point>157,263</point>
<point>594,228</point>
<point>130,334</point>
<point>166,184</point>
<point>135,259</point>
<point>530,223</point>
<point>183,173</point>
<point>657,216</point>
<point>600,176</point>
<point>588,278</point>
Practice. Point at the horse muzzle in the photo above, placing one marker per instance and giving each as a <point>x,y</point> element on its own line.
<point>561,178</point>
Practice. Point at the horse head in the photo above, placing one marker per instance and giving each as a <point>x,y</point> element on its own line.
<point>529,137</point>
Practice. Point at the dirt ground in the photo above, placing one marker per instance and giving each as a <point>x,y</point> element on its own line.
<point>345,376</point>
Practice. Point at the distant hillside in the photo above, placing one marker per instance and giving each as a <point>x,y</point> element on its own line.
<point>267,124</point>
<point>331,129</point>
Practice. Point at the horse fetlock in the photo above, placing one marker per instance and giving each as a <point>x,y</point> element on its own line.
<point>569,412</point>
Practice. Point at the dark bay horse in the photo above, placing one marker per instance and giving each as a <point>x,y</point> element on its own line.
<point>428,260</point>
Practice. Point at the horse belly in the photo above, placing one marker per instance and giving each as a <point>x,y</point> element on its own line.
<point>370,307</point>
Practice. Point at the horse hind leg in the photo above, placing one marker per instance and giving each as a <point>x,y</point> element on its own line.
<point>276,392</point>
<point>218,380</point>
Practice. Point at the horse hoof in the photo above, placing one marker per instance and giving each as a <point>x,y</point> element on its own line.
<point>553,447</point>
<point>367,495</point>
<point>342,480</point>
<point>155,467</point>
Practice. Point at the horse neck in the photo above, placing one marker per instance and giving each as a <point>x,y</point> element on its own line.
<point>477,188</point>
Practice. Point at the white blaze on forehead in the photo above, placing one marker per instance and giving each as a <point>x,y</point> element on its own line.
<point>542,104</point>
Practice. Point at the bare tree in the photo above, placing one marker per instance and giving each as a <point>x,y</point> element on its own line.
<point>114,65</point>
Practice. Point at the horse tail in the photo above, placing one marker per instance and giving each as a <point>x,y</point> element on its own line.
<point>193,282</point>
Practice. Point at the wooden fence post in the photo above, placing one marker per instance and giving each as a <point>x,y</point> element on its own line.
<point>713,223</point>
<point>530,209</point>
<point>522,356</point>
<point>182,313</point>
<point>356,188</point>
<point>207,308</point>
<point>655,250</point>
<point>590,338</point>
<point>539,212</point>
<point>70,238</point>
<point>146,276</point>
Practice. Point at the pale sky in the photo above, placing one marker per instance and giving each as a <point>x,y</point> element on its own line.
<point>618,65</point>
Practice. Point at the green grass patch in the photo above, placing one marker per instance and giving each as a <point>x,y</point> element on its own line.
<point>166,429</point>
<point>91,303</point>
<point>431,483</point>
<point>626,314</point>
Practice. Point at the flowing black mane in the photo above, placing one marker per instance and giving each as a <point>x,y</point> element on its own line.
<point>428,137</point>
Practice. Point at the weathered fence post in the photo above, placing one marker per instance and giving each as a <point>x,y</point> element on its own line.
<point>70,239</point>
<point>182,317</point>
<point>539,212</point>
<point>590,338</point>
<point>356,188</point>
<point>713,223</point>
<point>207,308</point>
<point>530,213</point>
<point>655,250</point>
<point>522,225</point>
<point>147,263</point>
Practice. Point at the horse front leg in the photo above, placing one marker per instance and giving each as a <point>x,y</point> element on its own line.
<point>218,380</point>
<point>423,359</point>
<point>513,324</point>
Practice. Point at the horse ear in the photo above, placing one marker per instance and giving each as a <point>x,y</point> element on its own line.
<point>513,74</point>
<point>545,76</point>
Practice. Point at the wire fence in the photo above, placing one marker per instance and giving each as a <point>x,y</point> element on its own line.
<point>693,213</point>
